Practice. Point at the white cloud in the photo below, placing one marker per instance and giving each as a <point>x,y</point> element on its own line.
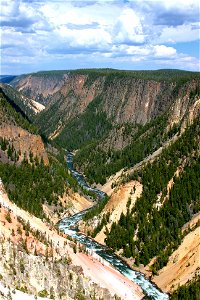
<point>128,27</point>
<point>181,62</point>
<point>146,51</point>
<point>179,3</point>
<point>182,33</point>
<point>9,8</point>
<point>112,31</point>
<point>164,51</point>
<point>86,37</point>
<point>63,13</point>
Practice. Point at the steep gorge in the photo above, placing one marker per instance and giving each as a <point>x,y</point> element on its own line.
<point>124,97</point>
<point>105,112</point>
<point>143,125</point>
<point>36,258</point>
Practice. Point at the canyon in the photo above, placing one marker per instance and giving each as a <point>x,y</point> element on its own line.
<point>121,126</point>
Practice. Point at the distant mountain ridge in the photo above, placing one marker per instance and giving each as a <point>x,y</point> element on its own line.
<point>7,78</point>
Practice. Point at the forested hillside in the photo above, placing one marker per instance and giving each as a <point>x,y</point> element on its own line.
<point>99,162</point>
<point>29,108</point>
<point>29,181</point>
<point>190,291</point>
<point>7,78</point>
<point>115,120</point>
<point>91,126</point>
<point>85,108</point>
<point>148,230</point>
<point>12,113</point>
<point>31,185</point>
<point>96,109</point>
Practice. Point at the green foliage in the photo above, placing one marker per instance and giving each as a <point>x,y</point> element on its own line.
<point>9,150</point>
<point>42,120</point>
<point>22,267</point>
<point>157,75</point>
<point>12,113</point>
<point>29,186</point>
<point>99,164</point>
<point>80,296</point>
<point>8,217</point>
<point>191,291</point>
<point>47,73</point>
<point>103,223</point>
<point>17,100</point>
<point>195,92</point>
<point>3,143</point>
<point>96,210</point>
<point>91,125</point>
<point>159,231</point>
<point>43,294</point>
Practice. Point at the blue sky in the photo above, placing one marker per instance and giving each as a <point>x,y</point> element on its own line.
<point>62,34</point>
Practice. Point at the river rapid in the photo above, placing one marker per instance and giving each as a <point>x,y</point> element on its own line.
<point>69,226</point>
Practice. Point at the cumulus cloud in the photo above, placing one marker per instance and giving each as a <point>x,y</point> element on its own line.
<point>182,33</point>
<point>175,18</point>
<point>85,37</point>
<point>164,51</point>
<point>93,25</point>
<point>144,51</point>
<point>128,28</point>
<point>22,17</point>
<point>98,33</point>
<point>10,9</point>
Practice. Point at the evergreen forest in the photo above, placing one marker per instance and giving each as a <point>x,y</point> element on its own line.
<point>158,231</point>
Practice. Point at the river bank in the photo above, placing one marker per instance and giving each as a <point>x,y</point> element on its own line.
<point>107,281</point>
<point>69,226</point>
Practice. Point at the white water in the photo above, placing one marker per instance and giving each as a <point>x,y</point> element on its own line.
<point>68,225</point>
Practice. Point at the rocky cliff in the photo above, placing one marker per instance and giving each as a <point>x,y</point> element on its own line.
<point>132,97</point>
<point>114,98</point>
<point>18,134</point>
<point>37,275</point>
<point>24,142</point>
<point>39,87</point>
<point>101,112</point>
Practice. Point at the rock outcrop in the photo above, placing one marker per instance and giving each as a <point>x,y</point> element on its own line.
<point>40,90</point>
<point>24,142</point>
<point>40,276</point>
<point>124,99</point>
<point>183,264</point>
<point>18,134</point>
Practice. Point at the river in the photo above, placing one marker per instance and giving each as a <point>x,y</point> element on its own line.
<point>69,226</point>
